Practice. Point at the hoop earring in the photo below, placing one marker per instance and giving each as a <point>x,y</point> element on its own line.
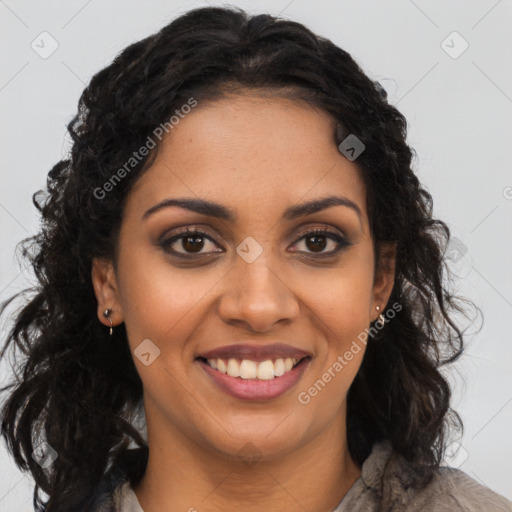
<point>106,314</point>
<point>381,320</point>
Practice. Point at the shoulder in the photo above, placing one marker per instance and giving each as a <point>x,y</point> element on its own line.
<point>394,482</point>
<point>106,496</point>
<point>113,492</point>
<point>454,490</point>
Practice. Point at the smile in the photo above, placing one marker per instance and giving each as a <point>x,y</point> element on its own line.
<point>253,380</point>
<point>247,369</point>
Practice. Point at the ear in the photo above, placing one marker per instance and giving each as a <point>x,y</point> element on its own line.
<point>384,279</point>
<point>106,291</point>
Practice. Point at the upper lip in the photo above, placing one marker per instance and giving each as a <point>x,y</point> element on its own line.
<point>255,352</point>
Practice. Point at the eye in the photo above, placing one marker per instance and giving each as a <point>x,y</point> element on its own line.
<point>190,241</point>
<point>317,240</point>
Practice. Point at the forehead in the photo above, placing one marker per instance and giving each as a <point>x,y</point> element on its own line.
<point>251,153</point>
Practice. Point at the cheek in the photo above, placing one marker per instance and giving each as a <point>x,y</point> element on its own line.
<point>343,345</point>
<point>159,301</point>
<point>341,298</point>
<point>340,311</point>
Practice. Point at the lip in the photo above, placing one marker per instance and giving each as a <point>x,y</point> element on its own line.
<point>256,353</point>
<point>256,389</point>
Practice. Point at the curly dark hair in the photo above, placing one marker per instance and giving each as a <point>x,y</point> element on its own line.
<point>80,391</point>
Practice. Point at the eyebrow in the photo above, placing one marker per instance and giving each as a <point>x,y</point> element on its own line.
<point>219,211</point>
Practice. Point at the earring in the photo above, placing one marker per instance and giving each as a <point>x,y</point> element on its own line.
<point>381,320</point>
<point>106,314</point>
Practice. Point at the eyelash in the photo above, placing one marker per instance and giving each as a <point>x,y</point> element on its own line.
<point>166,243</point>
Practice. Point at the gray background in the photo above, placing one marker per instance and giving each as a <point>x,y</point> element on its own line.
<point>459,111</point>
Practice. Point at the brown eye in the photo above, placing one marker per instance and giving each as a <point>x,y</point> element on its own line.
<point>190,242</point>
<point>317,240</point>
<point>316,243</point>
<point>194,243</point>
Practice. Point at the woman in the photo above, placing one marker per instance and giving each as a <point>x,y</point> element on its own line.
<point>238,257</point>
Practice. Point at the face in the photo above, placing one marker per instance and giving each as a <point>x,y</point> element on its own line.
<point>253,276</point>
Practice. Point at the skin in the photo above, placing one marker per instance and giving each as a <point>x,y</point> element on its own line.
<point>256,156</point>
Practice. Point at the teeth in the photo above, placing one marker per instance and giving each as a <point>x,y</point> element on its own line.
<point>266,370</point>
<point>247,369</point>
<point>221,365</point>
<point>279,368</point>
<point>233,368</point>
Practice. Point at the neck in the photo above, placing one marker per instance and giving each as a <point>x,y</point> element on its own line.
<point>181,475</point>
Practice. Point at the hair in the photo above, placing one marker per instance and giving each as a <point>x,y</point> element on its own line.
<point>78,388</point>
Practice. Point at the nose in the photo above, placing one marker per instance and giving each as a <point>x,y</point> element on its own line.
<point>256,295</point>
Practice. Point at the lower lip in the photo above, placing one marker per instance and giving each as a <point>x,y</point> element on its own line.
<point>256,389</point>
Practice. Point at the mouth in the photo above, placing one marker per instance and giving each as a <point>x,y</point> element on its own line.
<point>255,380</point>
<point>248,369</point>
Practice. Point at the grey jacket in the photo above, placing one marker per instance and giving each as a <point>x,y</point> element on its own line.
<point>385,485</point>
